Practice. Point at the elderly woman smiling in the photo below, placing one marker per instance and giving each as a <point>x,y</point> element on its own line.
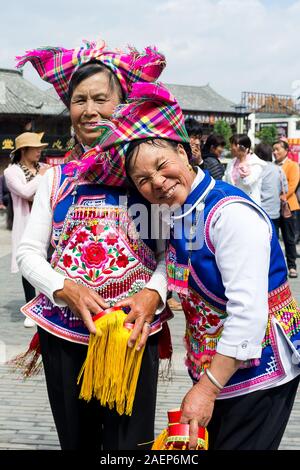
<point>95,262</point>
<point>233,284</point>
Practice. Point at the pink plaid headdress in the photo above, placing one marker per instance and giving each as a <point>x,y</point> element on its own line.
<point>56,65</point>
<point>151,112</point>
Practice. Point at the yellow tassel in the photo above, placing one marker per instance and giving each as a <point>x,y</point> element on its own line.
<point>160,441</point>
<point>111,369</point>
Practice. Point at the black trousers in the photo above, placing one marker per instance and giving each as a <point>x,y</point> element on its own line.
<point>89,426</point>
<point>29,290</point>
<point>287,227</point>
<point>255,421</point>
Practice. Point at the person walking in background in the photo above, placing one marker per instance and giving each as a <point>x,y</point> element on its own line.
<point>22,178</point>
<point>287,225</point>
<point>274,184</point>
<point>195,133</point>
<point>211,152</point>
<point>245,169</point>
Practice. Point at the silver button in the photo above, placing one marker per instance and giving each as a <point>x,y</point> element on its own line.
<point>245,345</point>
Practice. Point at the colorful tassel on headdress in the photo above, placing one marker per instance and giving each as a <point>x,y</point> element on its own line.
<point>29,362</point>
<point>176,435</point>
<point>111,369</point>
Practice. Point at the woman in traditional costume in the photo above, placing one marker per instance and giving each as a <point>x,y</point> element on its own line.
<point>82,209</point>
<point>224,260</point>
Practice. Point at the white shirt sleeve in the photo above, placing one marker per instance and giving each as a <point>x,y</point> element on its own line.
<point>241,238</point>
<point>32,250</point>
<point>17,186</point>
<point>256,172</point>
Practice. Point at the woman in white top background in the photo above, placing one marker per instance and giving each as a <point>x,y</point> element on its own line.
<point>22,178</point>
<point>245,169</point>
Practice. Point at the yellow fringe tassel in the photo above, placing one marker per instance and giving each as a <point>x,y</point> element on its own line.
<point>111,369</point>
<point>160,441</point>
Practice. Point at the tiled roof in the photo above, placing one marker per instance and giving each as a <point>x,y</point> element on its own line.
<point>201,98</point>
<point>19,96</point>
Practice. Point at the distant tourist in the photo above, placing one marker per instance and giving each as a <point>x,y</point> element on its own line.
<point>194,130</point>
<point>211,153</point>
<point>274,184</point>
<point>22,178</point>
<point>287,225</point>
<point>245,169</point>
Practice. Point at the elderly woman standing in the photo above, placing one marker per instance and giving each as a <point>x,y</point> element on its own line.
<point>22,178</point>
<point>96,261</point>
<point>245,169</point>
<point>228,268</point>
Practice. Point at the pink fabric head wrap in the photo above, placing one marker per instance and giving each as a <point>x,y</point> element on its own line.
<point>57,65</point>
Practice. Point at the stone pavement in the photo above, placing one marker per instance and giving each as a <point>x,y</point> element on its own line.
<point>25,418</point>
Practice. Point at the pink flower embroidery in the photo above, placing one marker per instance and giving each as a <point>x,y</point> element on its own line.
<point>111,240</point>
<point>213,320</point>
<point>97,229</point>
<point>67,261</point>
<point>94,255</point>
<point>81,237</point>
<point>122,261</point>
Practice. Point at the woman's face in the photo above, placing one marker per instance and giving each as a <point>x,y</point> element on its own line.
<point>162,174</point>
<point>238,151</point>
<point>92,100</point>
<point>31,154</point>
<point>280,152</point>
<point>217,150</point>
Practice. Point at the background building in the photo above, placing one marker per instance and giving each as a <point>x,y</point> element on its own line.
<point>205,104</point>
<point>270,109</point>
<point>24,107</point>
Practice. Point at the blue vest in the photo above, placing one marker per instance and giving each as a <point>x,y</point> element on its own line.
<point>205,301</point>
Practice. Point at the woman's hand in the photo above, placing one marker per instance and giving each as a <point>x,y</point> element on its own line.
<point>142,310</point>
<point>83,302</point>
<point>197,408</point>
<point>244,170</point>
<point>43,169</point>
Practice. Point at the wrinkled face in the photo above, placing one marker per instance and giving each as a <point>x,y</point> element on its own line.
<point>92,100</point>
<point>280,153</point>
<point>162,174</point>
<point>31,154</point>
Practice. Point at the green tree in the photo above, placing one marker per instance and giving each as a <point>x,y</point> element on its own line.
<point>267,134</point>
<point>222,128</point>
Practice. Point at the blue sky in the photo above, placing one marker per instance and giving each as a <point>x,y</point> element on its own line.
<point>235,45</point>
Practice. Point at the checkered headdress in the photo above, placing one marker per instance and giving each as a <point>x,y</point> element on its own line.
<point>56,65</point>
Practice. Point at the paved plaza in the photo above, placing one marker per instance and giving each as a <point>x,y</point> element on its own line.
<point>25,418</point>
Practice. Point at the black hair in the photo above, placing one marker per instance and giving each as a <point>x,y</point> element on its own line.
<point>193,127</point>
<point>283,144</point>
<point>89,69</point>
<point>213,140</point>
<point>16,157</point>
<point>264,151</point>
<point>241,139</point>
<point>130,151</point>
